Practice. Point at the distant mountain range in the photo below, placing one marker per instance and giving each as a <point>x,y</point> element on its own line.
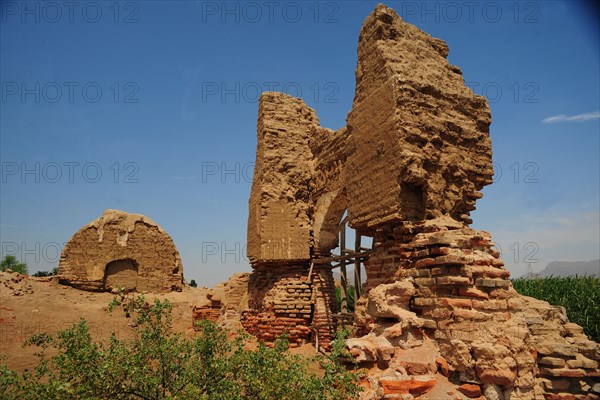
<point>571,268</point>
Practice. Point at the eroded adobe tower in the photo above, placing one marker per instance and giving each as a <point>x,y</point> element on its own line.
<point>285,293</point>
<point>121,250</point>
<point>408,168</point>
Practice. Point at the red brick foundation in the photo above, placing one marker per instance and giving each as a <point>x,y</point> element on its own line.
<point>450,278</point>
<point>283,299</point>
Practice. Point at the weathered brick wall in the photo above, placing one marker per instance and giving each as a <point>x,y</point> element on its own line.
<point>282,233</point>
<point>289,301</point>
<point>446,281</point>
<point>279,227</point>
<point>324,306</point>
<point>419,154</point>
<point>117,235</point>
<point>328,192</point>
<point>408,167</point>
<point>279,301</point>
<point>420,145</point>
<point>329,150</point>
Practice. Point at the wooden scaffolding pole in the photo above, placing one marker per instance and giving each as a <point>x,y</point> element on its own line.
<point>343,279</point>
<point>349,257</point>
<point>357,262</point>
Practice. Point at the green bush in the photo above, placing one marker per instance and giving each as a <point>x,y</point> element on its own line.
<point>11,262</point>
<point>579,295</point>
<point>157,363</point>
<point>52,272</point>
<point>349,297</point>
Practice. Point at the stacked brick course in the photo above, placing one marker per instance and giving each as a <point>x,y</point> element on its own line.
<point>279,302</point>
<point>567,360</point>
<point>292,303</point>
<point>324,305</point>
<point>210,312</point>
<point>456,292</point>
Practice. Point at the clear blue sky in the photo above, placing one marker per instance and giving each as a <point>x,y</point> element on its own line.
<point>160,98</point>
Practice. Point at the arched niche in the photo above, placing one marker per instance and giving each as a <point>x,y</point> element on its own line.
<point>329,210</point>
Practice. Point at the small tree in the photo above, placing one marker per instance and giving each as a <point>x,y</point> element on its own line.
<point>11,262</point>
<point>349,297</point>
<point>193,283</point>
<point>53,272</point>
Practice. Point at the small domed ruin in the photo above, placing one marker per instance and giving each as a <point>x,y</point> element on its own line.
<point>121,250</point>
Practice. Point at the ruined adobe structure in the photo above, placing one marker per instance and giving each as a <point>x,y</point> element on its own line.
<point>281,232</point>
<point>225,302</point>
<point>121,250</point>
<point>408,168</point>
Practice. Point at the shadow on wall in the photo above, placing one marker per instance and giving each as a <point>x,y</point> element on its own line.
<point>121,274</point>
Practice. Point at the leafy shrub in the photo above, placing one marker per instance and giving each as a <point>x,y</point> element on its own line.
<point>52,272</point>
<point>579,295</point>
<point>157,363</point>
<point>349,298</point>
<point>11,262</point>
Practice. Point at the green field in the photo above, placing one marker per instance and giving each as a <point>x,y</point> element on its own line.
<point>580,295</point>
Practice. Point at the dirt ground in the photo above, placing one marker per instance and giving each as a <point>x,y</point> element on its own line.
<point>31,305</point>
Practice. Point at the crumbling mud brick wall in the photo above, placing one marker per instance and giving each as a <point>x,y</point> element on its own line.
<point>328,190</point>
<point>420,145</point>
<point>279,210</point>
<point>121,250</point>
<point>420,153</point>
<point>224,303</point>
<point>282,297</point>
<point>279,302</point>
<point>408,168</point>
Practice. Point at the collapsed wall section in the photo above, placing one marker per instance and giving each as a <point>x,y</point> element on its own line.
<point>224,303</point>
<point>440,281</point>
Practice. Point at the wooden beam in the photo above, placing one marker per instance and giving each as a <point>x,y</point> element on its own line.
<point>357,277</point>
<point>347,257</point>
<point>312,264</point>
<point>344,294</point>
